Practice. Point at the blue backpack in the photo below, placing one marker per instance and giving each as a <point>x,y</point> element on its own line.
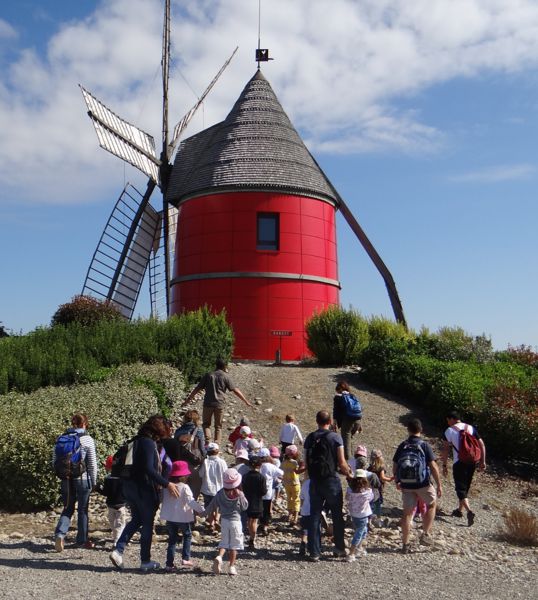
<point>412,470</point>
<point>352,406</point>
<point>68,463</point>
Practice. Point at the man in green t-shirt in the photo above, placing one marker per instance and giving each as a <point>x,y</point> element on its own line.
<point>215,386</point>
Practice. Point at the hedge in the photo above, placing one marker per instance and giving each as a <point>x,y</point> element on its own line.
<point>64,355</point>
<point>116,407</point>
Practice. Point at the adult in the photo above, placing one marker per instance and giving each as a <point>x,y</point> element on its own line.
<point>192,449</point>
<point>413,466</point>
<point>347,425</point>
<point>462,470</point>
<point>215,386</point>
<point>76,488</point>
<point>324,451</point>
<point>142,492</point>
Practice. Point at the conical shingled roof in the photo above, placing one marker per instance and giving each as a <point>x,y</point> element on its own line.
<point>255,148</point>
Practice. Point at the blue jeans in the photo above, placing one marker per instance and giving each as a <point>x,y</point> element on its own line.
<point>325,494</point>
<point>143,503</point>
<point>75,491</point>
<point>173,529</point>
<point>361,530</point>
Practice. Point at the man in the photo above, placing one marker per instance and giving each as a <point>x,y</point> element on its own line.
<point>413,465</point>
<point>78,479</point>
<point>215,386</point>
<point>324,450</point>
<point>462,470</point>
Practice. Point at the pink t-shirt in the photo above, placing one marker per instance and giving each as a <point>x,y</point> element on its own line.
<point>359,503</point>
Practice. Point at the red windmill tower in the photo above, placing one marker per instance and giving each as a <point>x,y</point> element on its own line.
<point>255,233</point>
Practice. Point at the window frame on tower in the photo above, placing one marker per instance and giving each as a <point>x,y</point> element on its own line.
<point>272,242</point>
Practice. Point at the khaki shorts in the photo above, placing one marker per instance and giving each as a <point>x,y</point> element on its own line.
<point>427,494</point>
<point>231,535</point>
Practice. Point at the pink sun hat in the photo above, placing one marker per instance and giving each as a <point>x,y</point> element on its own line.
<point>291,450</point>
<point>231,479</point>
<point>180,469</point>
<point>361,451</point>
<point>274,452</point>
<point>241,453</point>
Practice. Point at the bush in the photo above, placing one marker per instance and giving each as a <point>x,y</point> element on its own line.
<point>337,336</point>
<point>520,527</point>
<point>116,407</point>
<point>64,355</point>
<point>86,310</point>
<point>454,344</point>
<point>521,355</point>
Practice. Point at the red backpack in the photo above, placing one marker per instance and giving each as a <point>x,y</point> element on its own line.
<point>469,451</point>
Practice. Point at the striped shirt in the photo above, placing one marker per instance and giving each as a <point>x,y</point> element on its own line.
<point>88,455</point>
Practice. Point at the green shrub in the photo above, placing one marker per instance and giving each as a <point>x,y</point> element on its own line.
<point>64,355</point>
<point>116,407</point>
<point>454,344</point>
<point>86,310</point>
<point>521,355</point>
<point>337,336</point>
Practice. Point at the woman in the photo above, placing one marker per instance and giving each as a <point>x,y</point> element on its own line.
<point>142,492</point>
<point>348,426</point>
<point>190,437</point>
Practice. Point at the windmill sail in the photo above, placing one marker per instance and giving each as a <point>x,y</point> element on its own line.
<point>122,139</point>
<point>120,261</point>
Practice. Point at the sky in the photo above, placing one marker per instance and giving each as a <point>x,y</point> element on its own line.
<point>423,114</point>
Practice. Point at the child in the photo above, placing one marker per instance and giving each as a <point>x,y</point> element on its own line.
<point>358,496</point>
<point>360,452</point>
<point>235,435</point>
<point>230,501</point>
<point>271,474</point>
<point>254,488</point>
<point>242,442</point>
<point>178,514</point>
<point>242,462</point>
<point>211,472</point>
<point>288,432</point>
<point>305,516</point>
<point>115,501</point>
<point>291,469</point>
<point>274,453</point>
<point>377,466</point>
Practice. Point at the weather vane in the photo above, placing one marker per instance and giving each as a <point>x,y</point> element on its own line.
<point>262,54</point>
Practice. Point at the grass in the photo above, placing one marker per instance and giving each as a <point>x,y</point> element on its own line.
<point>520,527</point>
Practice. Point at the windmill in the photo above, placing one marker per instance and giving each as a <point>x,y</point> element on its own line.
<point>136,234</point>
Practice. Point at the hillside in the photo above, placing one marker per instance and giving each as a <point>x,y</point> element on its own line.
<point>464,562</point>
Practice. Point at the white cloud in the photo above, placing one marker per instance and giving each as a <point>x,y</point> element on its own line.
<point>497,174</point>
<point>341,67</point>
<point>7,32</point>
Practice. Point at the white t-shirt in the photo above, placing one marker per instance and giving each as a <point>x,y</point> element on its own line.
<point>179,510</point>
<point>288,432</point>
<point>305,498</point>
<point>211,472</point>
<point>453,437</point>
<point>271,474</point>
<point>359,503</point>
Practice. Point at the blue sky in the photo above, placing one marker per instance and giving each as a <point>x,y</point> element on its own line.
<point>424,115</point>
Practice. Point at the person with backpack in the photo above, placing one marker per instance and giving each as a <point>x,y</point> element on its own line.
<point>74,460</point>
<point>324,453</point>
<point>413,466</point>
<point>347,414</point>
<point>141,487</point>
<point>468,453</point>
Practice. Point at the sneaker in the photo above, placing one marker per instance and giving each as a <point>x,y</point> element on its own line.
<point>470,518</point>
<point>233,571</point>
<point>150,565</point>
<point>406,549</point>
<point>362,552</point>
<point>457,513</point>
<point>217,565</point>
<point>313,558</point>
<point>87,545</point>
<point>187,563</point>
<point>170,569</point>
<point>58,544</point>
<point>350,558</point>
<point>426,539</point>
<point>117,559</point>
<point>339,553</point>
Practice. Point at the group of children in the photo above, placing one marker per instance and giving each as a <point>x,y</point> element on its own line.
<point>243,496</point>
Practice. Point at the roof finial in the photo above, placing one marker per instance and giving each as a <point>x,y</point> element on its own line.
<point>262,54</point>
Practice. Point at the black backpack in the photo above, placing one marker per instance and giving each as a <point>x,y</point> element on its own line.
<point>321,461</point>
<point>122,461</point>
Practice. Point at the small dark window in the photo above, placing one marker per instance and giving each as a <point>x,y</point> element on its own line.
<point>268,231</point>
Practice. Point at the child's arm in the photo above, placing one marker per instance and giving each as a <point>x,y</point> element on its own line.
<point>299,435</point>
<point>383,478</point>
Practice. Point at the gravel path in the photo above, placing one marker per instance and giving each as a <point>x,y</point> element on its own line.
<point>463,563</point>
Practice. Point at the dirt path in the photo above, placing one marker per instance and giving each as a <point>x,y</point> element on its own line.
<point>464,562</point>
